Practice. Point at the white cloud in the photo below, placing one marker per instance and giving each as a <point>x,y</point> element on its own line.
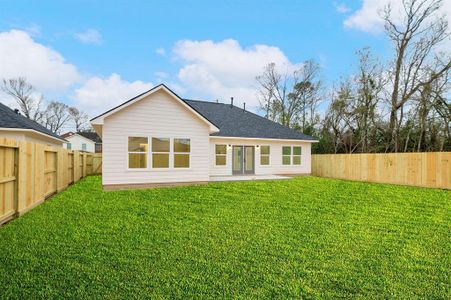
<point>342,8</point>
<point>161,51</point>
<point>90,36</point>
<point>161,75</point>
<point>98,94</point>
<point>33,29</point>
<point>368,17</point>
<point>219,70</point>
<point>43,67</point>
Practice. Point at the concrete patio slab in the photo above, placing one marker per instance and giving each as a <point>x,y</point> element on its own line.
<point>247,178</point>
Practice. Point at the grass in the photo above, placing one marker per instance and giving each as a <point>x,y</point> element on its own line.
<point>308,237</point>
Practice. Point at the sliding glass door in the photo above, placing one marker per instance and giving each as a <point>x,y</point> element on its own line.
<point>243,160</point>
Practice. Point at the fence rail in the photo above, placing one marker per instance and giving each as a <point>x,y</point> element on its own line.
<point>31,172</point>
<point>427,169</point>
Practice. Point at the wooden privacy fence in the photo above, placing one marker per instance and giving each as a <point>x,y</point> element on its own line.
<point>427,169</point>
<point>31,172</point>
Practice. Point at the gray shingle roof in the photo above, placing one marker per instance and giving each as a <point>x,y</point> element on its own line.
<point>10,119</point>
<point>91,135</point>
<point>233,121</point>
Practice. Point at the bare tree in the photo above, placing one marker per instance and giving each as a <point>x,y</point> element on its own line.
<point>369,82</point>
<point>79,118</point>
<point>56,116</point>
<point>306,96</point>
<point>414,66</point>
<point>273,93</point>
<point>338,120</point>
<point>290,98</point>
<point>25,96</point>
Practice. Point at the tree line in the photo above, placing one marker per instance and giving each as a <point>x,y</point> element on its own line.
<point>401,105</point>
<point>54,116</point>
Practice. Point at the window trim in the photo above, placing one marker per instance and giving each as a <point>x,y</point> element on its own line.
<point>287,155</point>
<point>134,152</point>
<point>295,155</point>
<point>174,153</point>
<point>268,155</point>
<point>292,156</point>
<point>225,156</point>
<point>149,154</point>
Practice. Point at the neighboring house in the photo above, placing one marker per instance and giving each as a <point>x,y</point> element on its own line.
<point>15,126</point>
<point>83,141</point>
<point>95,138</point>
<point>158,137</point>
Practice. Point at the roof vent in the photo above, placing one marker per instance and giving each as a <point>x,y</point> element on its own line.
<point>16,111</point>
<point>244,105</point>
<point>217,100</point>
<point>231,101</point>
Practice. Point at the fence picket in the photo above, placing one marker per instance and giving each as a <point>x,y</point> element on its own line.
<point>30,172</point>
<point>431,169</point>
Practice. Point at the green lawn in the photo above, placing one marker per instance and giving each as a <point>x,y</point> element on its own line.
<point>306,237</point>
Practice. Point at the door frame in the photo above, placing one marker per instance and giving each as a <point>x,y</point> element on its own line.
<point>243,170</point>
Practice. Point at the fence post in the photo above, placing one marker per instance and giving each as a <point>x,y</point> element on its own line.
<point>16,182</point>
<point>61,169</point>
<point>84,164</point>
<point>76,166</point>
<point>21,176</point>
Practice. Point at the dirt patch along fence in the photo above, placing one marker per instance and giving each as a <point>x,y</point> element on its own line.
<point>31,172</point>
<point>426,169</point>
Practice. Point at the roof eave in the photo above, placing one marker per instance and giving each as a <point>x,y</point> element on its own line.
<point>263,138</point>
<point>34,131</point>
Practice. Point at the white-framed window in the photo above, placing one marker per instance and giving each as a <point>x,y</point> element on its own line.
<point>83,147</point>
<point>264,155</point>
<point>286,155</point>
<point>69,146</point>
<point>297,151</point>
<point>220,155</point>
<point>291,155</point>
<point>160,152</point>
<point>138,148</point>
<point>182,150</point>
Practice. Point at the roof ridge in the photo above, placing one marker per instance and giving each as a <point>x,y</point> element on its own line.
<point>203,101</point>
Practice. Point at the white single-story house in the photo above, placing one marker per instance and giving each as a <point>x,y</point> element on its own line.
<point>159,138</point>
<point>82,141</point>
<point>15,126</point>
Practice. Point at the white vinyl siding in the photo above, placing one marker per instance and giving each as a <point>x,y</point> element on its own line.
<point>30,136</point>
<point>158,115</point>
<point>275,156</point>
<point>78,141</point>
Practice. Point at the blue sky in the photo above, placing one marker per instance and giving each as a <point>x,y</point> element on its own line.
<point>112,50</point>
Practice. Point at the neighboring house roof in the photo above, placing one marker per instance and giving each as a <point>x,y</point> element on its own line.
<point>12,120</point>
<point>233,121</point>
<point>92,136</point>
